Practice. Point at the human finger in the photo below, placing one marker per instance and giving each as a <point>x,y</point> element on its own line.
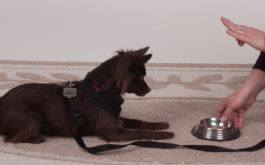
<point>235,119</point>
<point>225,21</point>
<point>229,24</point>
<point>221,109</point>
<point>226,114</point>
<point>240,43</point>
<point>241,119</point>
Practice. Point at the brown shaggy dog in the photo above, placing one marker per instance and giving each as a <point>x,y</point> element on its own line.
<point>31,110</point>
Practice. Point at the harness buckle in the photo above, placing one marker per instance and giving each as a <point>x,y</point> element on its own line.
<point>76,115</point>
<point>79,121</point>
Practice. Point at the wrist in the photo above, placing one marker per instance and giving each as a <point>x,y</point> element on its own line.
<point>254,84</point>
<point>249,91</point>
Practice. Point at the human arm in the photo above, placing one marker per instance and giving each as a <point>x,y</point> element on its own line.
<point>239,102</point>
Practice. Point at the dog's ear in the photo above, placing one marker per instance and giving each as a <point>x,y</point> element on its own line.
<point>138,62</point>
<point>141,59</point>
<point>142,51</point>
<point>146,58</point>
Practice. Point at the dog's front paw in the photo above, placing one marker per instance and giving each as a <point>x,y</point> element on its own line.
<point>162,135</point>
<point>169,135</point>
<point>158,126</point>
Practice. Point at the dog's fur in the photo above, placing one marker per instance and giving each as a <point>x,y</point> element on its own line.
<point>31,110</point>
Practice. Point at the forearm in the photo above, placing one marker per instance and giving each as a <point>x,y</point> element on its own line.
<point>255,83</point>
<point>263,43</point>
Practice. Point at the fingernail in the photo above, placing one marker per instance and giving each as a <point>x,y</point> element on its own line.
<point>222,119</point>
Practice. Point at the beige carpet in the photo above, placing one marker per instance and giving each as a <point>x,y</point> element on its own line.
<point>181,95</point>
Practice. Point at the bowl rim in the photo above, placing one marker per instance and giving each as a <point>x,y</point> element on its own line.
<point>208,127</point>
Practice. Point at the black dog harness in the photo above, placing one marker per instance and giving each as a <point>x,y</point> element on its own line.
<point>102,99</point>
<point>113,105</point>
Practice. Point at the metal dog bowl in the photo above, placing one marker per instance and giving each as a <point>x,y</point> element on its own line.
<point>215,130</point>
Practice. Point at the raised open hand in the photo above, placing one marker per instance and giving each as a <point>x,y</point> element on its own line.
<point>244,34</point>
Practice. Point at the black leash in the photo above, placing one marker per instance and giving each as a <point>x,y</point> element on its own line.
<point>70,93</point>
<point>164,145</point>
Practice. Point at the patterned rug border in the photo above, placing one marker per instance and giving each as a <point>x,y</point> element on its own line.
<point>76,63</point>
<point>182,98</point>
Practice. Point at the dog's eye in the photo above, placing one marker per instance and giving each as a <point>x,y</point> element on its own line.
<point>140,77</point>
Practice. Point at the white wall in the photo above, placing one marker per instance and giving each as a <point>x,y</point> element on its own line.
<point>177,31</point>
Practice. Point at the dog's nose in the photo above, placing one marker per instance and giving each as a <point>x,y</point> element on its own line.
<point>148,90</point>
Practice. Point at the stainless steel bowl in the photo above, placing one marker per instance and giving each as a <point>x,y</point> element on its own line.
<point>215,130</point>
